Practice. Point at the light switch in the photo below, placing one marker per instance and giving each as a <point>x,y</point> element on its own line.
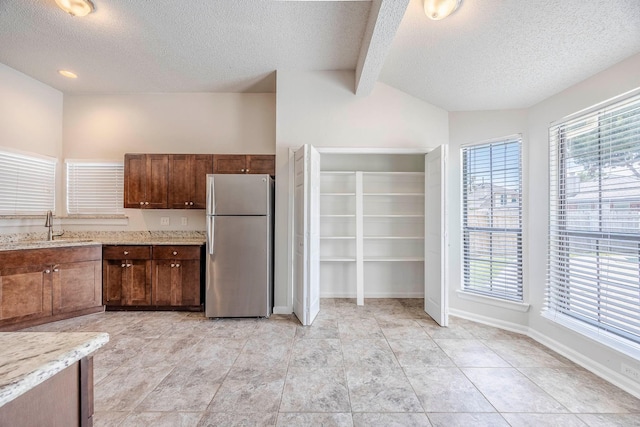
<point>164,220</point>
<point>183,220</point>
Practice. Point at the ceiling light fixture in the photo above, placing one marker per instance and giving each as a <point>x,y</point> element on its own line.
<point>68,74</point>
<point>439,9</point>
<point>76,7</point>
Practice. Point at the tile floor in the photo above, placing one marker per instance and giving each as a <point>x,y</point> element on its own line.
<point>384,364</point>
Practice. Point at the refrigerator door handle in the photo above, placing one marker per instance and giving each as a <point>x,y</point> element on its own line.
<point>211,221</point>
<point>211,194</point>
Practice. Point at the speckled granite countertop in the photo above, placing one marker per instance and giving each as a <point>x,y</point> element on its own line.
<point>104,238</point>
<point>29,358</point>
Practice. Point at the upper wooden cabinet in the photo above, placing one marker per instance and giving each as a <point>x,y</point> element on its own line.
<point>240,163</point>
<point>188,179</point>
<point>146,178</point>
<point>179,181</point>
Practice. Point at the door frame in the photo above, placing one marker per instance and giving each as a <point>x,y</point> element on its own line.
<point>291,190</point>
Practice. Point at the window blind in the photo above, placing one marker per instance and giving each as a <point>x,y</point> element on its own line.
<point>95,187</point>
<point>27,183</point>
<point>594,230</point>
<point>492,219</point>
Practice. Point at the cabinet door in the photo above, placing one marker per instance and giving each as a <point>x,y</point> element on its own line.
<point>76,286</point>
<point>202,166</point>
<point>112,281</point>
<point>190,282</point>
<point>25,293</point>
<point>226,163</point>
<point>136,285</point>
<point>261,164</point>
<point>135,180</point>
<point>180,181</point>
<point>157,181</point>
<point>176,283</point>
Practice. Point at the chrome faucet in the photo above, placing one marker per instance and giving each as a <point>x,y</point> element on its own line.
<point>48,222</point>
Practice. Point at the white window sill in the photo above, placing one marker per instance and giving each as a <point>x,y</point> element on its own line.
<point>34,220</point>
<point>496,302</point>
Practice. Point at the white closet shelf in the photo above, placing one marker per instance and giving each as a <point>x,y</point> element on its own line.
<point>393,173</point>
<point>393,259</point>
<point>394,194</point>
<point>393,237</point>
<point>338,216</point>
<point>337,259</point>
<point>338,237</point>
<point>394,216</point>
<point>337,173</point>
<point>337,194</point>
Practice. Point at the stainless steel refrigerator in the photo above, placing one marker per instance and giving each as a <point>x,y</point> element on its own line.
<point>239,246</point>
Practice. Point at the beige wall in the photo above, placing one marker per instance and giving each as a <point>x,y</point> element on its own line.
<point>107,126</point>
<point>30,114</point>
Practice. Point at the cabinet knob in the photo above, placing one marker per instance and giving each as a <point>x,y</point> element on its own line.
<point>128,265</point>
<point>247,170</point>
<point>174,253</point>
<point>173,265</point>
<point>141,203</point>
<point>126,252</point>
<point>177,265</point>
<point>146,203</point>
<point>190,203</point>
<point>56,270</point>
<point>123,265</point>
<point>241,170</point>
<point>186,203</point>
<point>47,271</point>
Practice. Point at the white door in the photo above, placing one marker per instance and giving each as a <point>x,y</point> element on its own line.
<point>435,236</point>
<point>306,218</point>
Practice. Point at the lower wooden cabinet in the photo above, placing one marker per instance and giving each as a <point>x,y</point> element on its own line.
<point>43,285</point>
<point>153,277</point>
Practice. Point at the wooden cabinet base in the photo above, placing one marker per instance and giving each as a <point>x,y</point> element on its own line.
<point>154,308</point>
<point>17,325</point>
<point>64,400</point>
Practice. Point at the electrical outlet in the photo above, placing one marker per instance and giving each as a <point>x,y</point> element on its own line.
<point>164,220</point>
<point>631,372</point>
<point>183,220</point>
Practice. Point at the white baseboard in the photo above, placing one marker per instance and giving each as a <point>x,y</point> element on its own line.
<point>282,309</point>
<point>617,379</point>
<point>374,295</point>
<point>509,326</point>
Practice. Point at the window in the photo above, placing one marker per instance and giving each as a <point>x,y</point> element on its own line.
<point>94,187</point>
<point>27,183</point>
<point>492,219</point>
<point>594,229</point>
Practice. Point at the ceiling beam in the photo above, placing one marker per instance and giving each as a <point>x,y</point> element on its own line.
<point>384,20</point>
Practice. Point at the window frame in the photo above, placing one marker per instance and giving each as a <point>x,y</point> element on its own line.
<point>115,198</point>
<point>504,296</point>
<point>38,183</point>
<point>563,236</point>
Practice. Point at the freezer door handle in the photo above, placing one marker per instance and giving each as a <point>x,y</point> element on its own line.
<point>211,221</point>
<point>211,195</point>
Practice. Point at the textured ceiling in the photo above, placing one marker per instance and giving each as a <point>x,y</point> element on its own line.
<point>494,54</point>
<point>491,54</point>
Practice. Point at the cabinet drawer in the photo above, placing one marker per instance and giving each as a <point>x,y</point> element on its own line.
<point>176,252</point>
<point>126,252</point>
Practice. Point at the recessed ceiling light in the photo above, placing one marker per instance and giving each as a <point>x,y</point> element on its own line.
<point>76,7</point>
<point>68,74</point>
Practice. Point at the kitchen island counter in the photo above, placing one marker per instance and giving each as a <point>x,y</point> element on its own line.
<point>27,359</point>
